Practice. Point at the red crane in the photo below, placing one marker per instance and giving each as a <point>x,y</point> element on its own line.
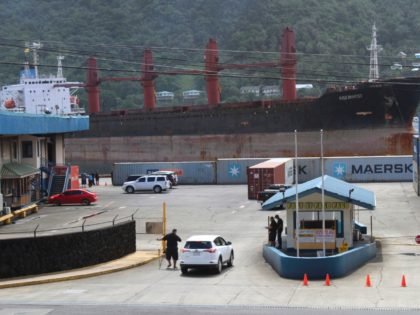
<point>287,64</point>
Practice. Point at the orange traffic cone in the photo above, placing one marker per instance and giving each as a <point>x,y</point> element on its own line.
<point>403,282</point>
<point>368,284</point>
<point>305,279</point>
<point>327,280</point>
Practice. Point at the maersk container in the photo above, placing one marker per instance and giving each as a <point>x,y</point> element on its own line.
<point>273,171</point>
<point>370,168</point>
<point>233,171</point>
<point>416,164</point>
<point>309,168</point>
<point>188,172</point>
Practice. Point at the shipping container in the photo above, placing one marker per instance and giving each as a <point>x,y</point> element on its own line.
<point>233,171</point>
<point>309,168</point>
<point>188,172</point>
<point>273,171</point>
<point>416,164</point>
<point>370,168</point>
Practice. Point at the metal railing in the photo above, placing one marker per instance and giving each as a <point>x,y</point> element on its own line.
<point>79,228</point>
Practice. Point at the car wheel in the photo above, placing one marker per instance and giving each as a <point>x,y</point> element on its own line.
<point>157,189</point>
<point>230,261</point>
<point>57,203</point>
<point>184,270</point>
<point>129,190</point>
<point>219,266</point>
<point>86,202</point>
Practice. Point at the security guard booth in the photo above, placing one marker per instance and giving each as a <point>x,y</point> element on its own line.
<point>339,200</point>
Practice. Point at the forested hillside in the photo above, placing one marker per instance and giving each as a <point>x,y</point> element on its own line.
<point>331,37</point>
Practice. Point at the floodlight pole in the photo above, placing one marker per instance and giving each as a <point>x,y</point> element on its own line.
<point>322,193</point>
<point>297,199</point>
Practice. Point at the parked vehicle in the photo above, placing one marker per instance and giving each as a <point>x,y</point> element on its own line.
<point>267,193</point>
<point>73,196</point>
<point>131,178</point>
<point>172,176</point>
<point>156,183</point>
<point>206,251</point>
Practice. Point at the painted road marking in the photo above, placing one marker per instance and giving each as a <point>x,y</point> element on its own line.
<point>123,207</point>
<point>74,291</point>
<point>241,207</point>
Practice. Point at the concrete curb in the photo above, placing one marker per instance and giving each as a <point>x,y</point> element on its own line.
<point>136,259</point>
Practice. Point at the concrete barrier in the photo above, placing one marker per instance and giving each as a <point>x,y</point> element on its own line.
<point>336,266</point>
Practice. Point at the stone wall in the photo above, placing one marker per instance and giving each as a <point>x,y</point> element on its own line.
<point>32,256</point>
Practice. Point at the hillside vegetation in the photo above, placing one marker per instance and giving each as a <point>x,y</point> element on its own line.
<point>331,39</point>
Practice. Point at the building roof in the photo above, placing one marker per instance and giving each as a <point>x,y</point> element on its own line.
<point>17,170</point>
<point>333,187</point>
<point>272,163</point>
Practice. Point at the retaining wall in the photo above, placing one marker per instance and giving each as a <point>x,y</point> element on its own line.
<point>31,256</point>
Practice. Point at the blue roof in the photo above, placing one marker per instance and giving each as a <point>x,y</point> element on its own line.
<point>333,187</point>
<point>22,123</point>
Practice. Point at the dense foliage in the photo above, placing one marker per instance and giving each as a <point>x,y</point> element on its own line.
<point>331,36</point>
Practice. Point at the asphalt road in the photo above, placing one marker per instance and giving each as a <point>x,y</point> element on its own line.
<point>184,310</point>
<point>225,210</point>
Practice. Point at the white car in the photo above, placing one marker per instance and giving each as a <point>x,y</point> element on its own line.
<point>206,251</point>
<point>157,183</point>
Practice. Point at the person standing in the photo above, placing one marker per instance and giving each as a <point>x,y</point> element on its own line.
<point>279,230</point>
<point>93,178</point>
<point>172,240</point>
<point>90,180</point>
<point>272,231</point>
<point>97,178</point>
<point>83,176</point>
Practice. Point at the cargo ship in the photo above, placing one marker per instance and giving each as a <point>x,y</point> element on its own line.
<point>369,119</point>
<point>366,118</point>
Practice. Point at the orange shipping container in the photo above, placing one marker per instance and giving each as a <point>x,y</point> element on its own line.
<point>274,171</point>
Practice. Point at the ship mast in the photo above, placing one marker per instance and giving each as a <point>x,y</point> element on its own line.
<point>59,66</point>
<point>374,50</point>
<point>34,47</point>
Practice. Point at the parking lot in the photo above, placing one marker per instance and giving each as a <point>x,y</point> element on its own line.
<point>225,210</point>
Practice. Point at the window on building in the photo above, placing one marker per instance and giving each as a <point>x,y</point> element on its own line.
<point>27,151</point>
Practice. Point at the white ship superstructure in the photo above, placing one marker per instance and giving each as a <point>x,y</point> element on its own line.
<point>37,94</point>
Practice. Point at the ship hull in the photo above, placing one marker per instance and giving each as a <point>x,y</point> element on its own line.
<point>100,153</point>
<point>369,119</point>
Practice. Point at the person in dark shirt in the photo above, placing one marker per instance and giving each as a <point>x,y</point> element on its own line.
<point>272,231</point>
<point>279,230</point>
<point>172,240</point>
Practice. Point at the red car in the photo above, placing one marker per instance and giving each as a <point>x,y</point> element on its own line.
<point>82,196</point>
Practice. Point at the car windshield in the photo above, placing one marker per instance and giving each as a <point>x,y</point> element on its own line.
<point>198,245</point>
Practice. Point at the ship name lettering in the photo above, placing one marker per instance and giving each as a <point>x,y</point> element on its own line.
<point>350,97</point>
<point>382,169</point>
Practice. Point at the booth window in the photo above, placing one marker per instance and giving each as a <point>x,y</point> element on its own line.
<point>313,220</point>
<point>27,151</point>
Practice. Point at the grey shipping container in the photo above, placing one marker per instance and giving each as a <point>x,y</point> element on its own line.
<point>309,168</point>
<point>370,168</point>
<point>188,172</point>
<point>416,164</point>
<point>233,171</point>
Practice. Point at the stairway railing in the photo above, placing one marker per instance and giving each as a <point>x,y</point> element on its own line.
<point>67,179</point>
<point>50,180</point>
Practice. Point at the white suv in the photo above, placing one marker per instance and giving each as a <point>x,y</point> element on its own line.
<point>206,251</point>
<point>157,183</point>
